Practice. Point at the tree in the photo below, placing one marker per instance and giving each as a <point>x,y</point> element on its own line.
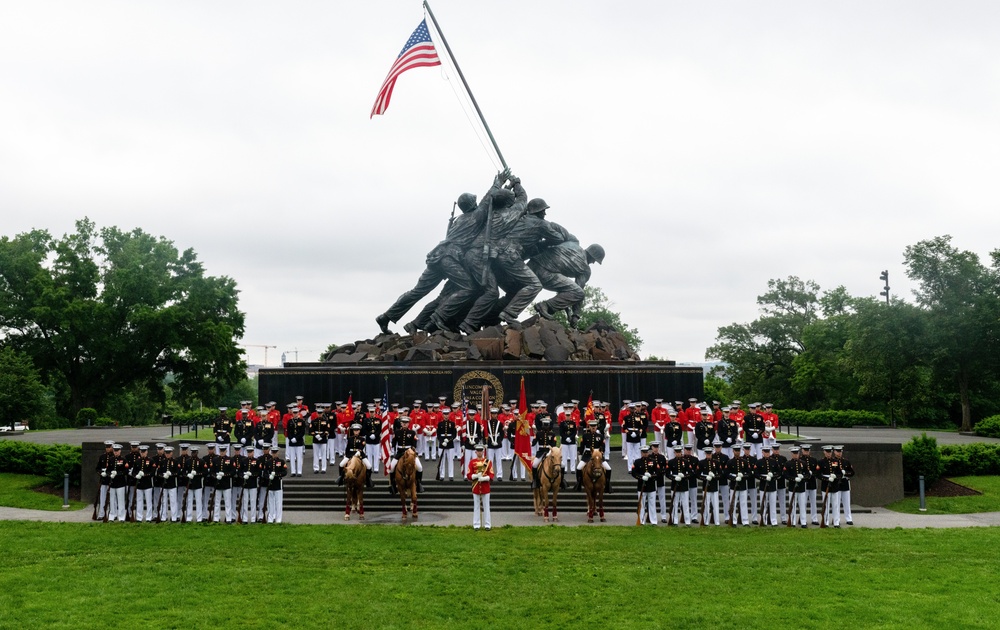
<point>101,311</point>
<point>22,394</point>
<point>597,307</point>
<point>759,355</point>
<point>960,295</point>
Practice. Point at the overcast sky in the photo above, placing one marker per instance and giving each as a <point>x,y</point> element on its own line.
<point>708,147</point>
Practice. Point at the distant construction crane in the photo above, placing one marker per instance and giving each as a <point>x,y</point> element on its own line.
<point>258,345</point>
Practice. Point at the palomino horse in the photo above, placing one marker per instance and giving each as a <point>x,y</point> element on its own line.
<point>354,484</point>
<point>549,479</point>
<point>405,477</point>
<point>594,480</point>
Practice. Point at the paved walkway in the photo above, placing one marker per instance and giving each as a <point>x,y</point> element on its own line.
<point>878,518</point>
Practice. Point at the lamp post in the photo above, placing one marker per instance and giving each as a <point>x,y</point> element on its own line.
<point>884,277</point>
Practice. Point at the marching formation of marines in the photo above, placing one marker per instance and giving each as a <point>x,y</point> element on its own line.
<point>730,455</point>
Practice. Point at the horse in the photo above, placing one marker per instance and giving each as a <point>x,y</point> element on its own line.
<point>549,479</point>
<point>405,478</point>
<point>354,485</point>
<point>594,480</point>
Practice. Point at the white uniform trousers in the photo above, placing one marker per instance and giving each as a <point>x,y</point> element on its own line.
<point>670,454</point>
<point>249,507</point>
<point>658,436</point>
<point>519,470</point>
<point>845,502</point>
<point>422,445</point>
<point>168,508</point>
<point>195,508</point>
<point>372,455</point>
<point>693,499</point>
<point>295,455</point>
<point>470,454</point>
<point>725,491</point>
<point>710,508</point>
<point>320,457</point>
<point>681,506</point>
<point>632,452</point>
<point>495,455</point>
<point>339,444</point>
<point>754,499</point>
<point>432,447</point>
<point>484,519</point>
<point>755,450</point>
<point>661,497</point>
<point>569,456</point>
<point>813,510</point>
<point>782,497</point>
<point>770,508</point>
<point>741,503</point>
<point>797,512</point>
<point>261,500</point>
<point>103,501</point>
<point>832,516</point>
<point>446,465</point>
<point>117,508</point>
<point>507,451</point>
<point>144,505</point>
<point>227,496</point>
<point>274,506</point>
<point>647,509</point>
<point>727,451</point>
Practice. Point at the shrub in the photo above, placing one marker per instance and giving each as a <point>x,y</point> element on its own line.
<point>921,457</point>
<point>202,417</point>
<point>49,460</point>
<point>86,417</point>
<point>104,421</point>
<point>831,418</point>
<point>970,459</point>
<point>989,427</point>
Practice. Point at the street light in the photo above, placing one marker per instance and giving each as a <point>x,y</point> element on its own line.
<point>884,277</point>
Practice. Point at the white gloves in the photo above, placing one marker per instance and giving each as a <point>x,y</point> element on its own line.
<point>798,478</point>
<point>167,474</point>
<point>832,477</point>
<point>632,434</point>
<point>271,476</point>
<point>246,475</point>
<point>243,440</point>
<point>646,477</point>
<point>755,435</point>
<point>674,443</point>
<point>140,475</point>
<point>292,440</point>
<point>218,475</point>
<point>371,436</point>
<point>710,476</point>
<point>191,475</point>
<point>114,473</point>
<point>729,440</point>
<point>739,476</point>
<point>678,477</point>
<point>705,442</point>
<point>770,476</point>
<point>104,473</point>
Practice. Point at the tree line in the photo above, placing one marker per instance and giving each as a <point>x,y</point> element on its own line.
<point>931,362</point>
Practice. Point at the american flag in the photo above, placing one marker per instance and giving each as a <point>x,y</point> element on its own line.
<point>418,52</point>
<point>386,429</point>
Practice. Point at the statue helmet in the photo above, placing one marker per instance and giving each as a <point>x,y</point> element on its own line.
<point>467,202</point>
<point>596,252</point>
<point>503,198</point>
<point>537,205</point>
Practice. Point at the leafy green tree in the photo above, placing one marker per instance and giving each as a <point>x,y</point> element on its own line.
<point>597,307</point>
<point>22,394</point>
<point>100,311</point>
<point>759,356</point>
<point>960,295</point>
<point>718,388</point>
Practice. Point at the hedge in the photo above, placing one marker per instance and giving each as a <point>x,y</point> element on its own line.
<point>989,427</point>
<point>48,460</point>
<point>830,418</point>
<point>921,456</point>
<point>978,458</point>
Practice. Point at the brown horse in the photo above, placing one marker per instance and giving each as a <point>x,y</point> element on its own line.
<point>549,479</point>
<point>354,484</point>
<point>405,478</point>
<point>594,480</point>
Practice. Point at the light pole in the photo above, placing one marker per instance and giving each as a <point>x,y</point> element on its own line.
<point>884,277</point>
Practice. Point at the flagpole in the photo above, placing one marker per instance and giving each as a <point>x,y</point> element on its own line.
<point>451,55</point>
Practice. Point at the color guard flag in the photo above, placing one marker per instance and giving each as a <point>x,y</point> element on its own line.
<point>386,434</point>
<point>418,52</point>
<point>522,439</point>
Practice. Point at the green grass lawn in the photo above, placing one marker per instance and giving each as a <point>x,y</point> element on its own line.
<point>988,501</point>
<point>83,575</point>
<point>18,491</point>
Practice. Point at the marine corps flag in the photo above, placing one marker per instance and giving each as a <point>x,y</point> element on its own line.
<point>589,413</point>
<point>522,440</point>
